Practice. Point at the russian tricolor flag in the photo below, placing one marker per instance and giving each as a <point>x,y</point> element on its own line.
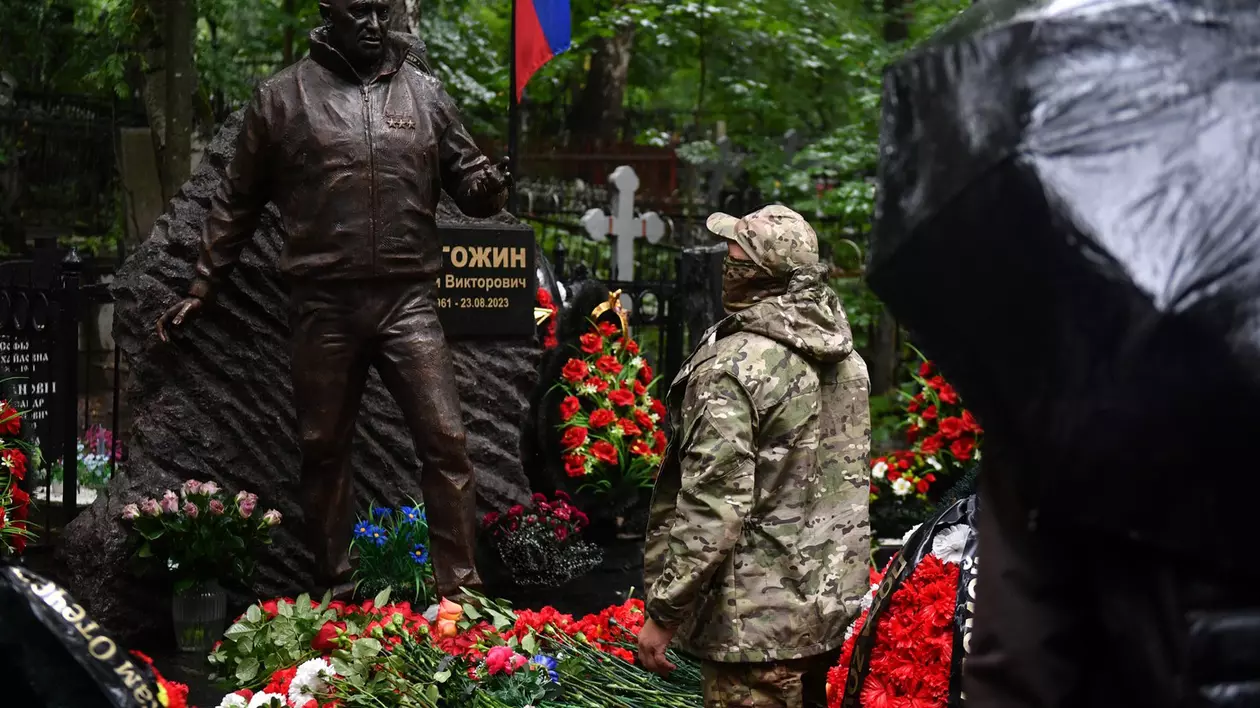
<point>543,30</point>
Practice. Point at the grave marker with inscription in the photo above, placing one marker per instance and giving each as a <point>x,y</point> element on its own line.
<point>489,281</point>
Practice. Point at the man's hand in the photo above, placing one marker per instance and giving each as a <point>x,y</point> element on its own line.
<point>653,641</point>
<point>174,318</point>
<point>493,180</point>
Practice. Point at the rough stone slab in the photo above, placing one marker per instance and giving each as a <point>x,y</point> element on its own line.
<point>216,403</point>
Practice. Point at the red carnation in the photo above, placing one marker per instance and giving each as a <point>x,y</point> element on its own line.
<point>953,427</point>
<point>963,448</point>
<point>932,444</point>
<point>948,394</point>
<point>630,346</point>
<point>936,382</point>
<point>597,383</point>
<point>544,298</point>
<point>925,369</point>
<point>930,413</point>
<point>640,448</point>
<point>575,370</point>
<point>575,465</point>
<point>970,421</point>
<point>621,397</point>
<point>608,364</point>
<point>15,461</point>
<point>569,407</point>
<point>592,343</point>
<point>604,452</point>
<point>607,329</point>
<point>10,419</point>
<point>645,373</point>
<point>922,486</point>
<point>913,407</point>
<point>639,388</point>
<point>658,408</point>
<point>574,437</point>
<point>912,434</point>
<point>602,418</point>
<point>643,419</point>
<point>658,442</point>
<point>629,428</point>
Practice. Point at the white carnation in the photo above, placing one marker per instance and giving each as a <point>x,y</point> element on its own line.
<point>267,700</point>
<point>948,544</point>
<point>906,539</point>
<point>232,700</point>
<point>310,679</point>
<point>935,463</point>
<point>879,469</point>
<point>902,487</point>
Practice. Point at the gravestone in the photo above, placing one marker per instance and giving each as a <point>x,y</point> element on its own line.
<point>623,225</point>
<point>216,403</point>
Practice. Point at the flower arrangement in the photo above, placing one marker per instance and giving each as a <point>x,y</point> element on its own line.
<point>393,550</point>
<point>547,303</point>
<point>93,453</point>
<point>200,534</point>
<point>542,545</point>
<point>944,441</point>
<point>16,457</point>
<point>610,427</point>
<point>912,651</point>
<point>171,694</point>
<point>298,653</point>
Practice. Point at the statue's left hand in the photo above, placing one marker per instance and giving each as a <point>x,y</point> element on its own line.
<point>494,180</point>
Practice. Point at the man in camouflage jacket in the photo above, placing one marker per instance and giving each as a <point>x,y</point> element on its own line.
<point>758,541</point>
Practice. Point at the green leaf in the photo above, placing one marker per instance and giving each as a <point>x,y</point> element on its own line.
<point>365,648</point>
<point>472,612</point>
<point>528,644</point>
<point>382,598</point>
<point>238,630</point>
<point>432,693</point>
<point>342,665</point>
<point>247,670</point>
<point>323,604</point>
<point>284,609</point>
<point>254,614</point>
<point>442,676</point>
<point>303,606</point>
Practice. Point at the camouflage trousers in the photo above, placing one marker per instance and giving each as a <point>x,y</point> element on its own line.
<point>799,683</point>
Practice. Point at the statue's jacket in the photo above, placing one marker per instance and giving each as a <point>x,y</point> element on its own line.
<point>355,168</point>
<point>758,539</point>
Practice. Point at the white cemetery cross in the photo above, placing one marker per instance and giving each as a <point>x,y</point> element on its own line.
<point>623,224</point>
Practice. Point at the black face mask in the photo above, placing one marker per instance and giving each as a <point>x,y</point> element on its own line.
<point>745,283</point>
<point>357,29</point>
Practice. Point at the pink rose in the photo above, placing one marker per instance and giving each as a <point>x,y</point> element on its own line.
<point>209,489</point>
<point>272,518</point>
<point>245,503</point>
<point>170,502</point>
<point>149,507</point>
<point>191,510</point>
<point>216,507</point>
<point>192,486</point>
<point>131,511</point>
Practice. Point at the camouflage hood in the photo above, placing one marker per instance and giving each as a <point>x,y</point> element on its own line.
<point>808,318</point>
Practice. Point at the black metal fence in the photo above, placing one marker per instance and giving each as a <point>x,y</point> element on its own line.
<point>46,301</point>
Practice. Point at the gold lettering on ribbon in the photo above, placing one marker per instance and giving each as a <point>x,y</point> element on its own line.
<point>102,647</point>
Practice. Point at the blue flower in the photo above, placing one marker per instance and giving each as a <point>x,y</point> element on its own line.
<point>376,534</point>
<point>382,513</point>
<point>411,514</point>
<point>420,555</point>
<point>548,663</point>
<point>362,529</point>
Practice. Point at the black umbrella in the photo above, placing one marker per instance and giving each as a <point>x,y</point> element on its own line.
<point>1068,221</point>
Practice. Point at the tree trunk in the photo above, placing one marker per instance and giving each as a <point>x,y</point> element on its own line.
<point>181,84</point>
<point>151,31</point>
<point>597,115</point>
<point>290,16</point>
<point>896,21</point>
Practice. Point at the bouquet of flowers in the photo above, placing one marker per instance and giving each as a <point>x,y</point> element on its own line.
<point>16,457</point>
<point>200,534</point>
<point>610,426</point>
<point>93,452</point>
<point>542,545</point>
<point>944,441</point>
<point>300,653</point>
<point>393,550</point>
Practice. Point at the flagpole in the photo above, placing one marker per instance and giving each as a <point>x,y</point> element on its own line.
<point>514,117</point>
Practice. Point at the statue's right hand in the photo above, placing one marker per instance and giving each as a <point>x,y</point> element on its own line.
<point>174,318</point>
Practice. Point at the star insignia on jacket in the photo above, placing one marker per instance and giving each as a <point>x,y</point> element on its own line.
<point>401,123</point>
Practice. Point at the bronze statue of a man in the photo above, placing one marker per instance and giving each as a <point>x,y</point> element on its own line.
<point>354,144</point>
